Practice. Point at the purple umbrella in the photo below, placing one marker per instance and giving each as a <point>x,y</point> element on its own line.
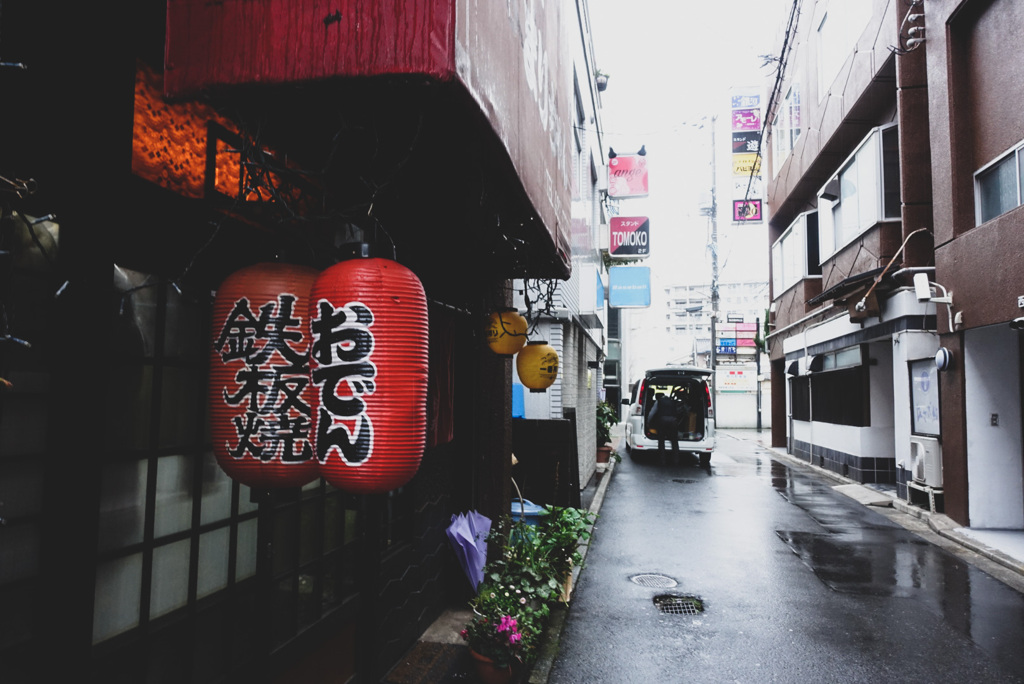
<point>468,536</point>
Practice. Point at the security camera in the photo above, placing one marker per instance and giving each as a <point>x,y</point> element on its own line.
<point>922,288</point>
<point>1017,323</point>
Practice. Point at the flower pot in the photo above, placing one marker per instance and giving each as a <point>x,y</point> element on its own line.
<point>488,671</point>
<point>604,453</point>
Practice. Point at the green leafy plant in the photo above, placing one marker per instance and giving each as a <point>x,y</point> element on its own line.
<point>607,416</point>
<point>523,582</point>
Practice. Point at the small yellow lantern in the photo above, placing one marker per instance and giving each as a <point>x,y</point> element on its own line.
<point>506,332</point>
<point>537,365</point>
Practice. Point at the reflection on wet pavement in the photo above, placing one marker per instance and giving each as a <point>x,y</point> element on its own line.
<point>859,551</point>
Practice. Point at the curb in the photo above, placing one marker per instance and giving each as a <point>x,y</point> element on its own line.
<point>556,623</point>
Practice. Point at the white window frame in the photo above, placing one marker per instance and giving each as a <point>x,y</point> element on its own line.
<point>866,163</point>
<point>791,249</point>
<point>784,132</point>
<point>836,36</point>
<point>1017,153</point>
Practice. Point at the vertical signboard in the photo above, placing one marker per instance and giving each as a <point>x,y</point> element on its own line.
<point>746,156</point>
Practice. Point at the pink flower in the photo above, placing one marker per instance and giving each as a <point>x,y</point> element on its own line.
<point>523,600</point>
<point>515,638</point>
<point>508,624</point>
<point>464,634</point>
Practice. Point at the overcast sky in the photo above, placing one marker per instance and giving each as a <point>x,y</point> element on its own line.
<point>671,65</point>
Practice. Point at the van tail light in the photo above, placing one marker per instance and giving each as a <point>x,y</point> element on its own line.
<point>638,407</point>
<point>707,393</point>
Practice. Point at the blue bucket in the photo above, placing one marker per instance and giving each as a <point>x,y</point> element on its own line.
<point>527,511</point>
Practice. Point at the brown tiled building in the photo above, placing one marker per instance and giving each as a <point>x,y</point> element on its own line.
<point>894,188</point>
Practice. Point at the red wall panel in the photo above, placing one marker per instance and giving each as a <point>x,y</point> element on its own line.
<point>286,41</point>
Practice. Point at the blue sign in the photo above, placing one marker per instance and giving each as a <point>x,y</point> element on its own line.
<point>599,301</point>
<point>629,286</point>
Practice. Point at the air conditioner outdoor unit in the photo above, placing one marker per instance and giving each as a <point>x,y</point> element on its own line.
<point>926,461</point>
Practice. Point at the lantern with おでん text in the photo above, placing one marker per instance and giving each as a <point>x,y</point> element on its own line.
<point>259,390</point>
<point>506,332</point>
<point>369,362</point>
<point>537,365</point>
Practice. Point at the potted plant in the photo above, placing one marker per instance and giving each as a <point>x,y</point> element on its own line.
<point>531,573</point>
<point>607,416</point>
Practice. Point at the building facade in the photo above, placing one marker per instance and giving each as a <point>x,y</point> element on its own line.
<point>893,196</point>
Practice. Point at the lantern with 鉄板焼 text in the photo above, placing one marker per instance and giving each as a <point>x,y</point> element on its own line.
<point>259,390</point>
<point>506,332</point>
<point>368,363</point>
<point>537,365</point>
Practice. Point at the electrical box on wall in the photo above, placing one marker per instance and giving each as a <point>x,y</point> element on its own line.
<point>926,461</point>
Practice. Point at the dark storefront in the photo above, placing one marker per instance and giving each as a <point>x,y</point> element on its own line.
<point>127,553</point>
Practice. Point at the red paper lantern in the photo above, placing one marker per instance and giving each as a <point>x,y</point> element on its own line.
<point>259,389</point>
<point>369,362</point>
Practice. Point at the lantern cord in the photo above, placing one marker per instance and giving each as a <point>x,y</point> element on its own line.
<point>449,307</point>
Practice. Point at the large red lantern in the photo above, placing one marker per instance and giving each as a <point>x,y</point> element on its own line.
<point>259,389</point>
<point>368,363</point>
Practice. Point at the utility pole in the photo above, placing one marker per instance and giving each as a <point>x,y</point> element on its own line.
<point>714,267</point>
<point>757,357</point>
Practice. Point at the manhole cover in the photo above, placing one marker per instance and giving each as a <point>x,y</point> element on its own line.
<point>656,581</point>
<point>679,605</point>
<point>684,481</point>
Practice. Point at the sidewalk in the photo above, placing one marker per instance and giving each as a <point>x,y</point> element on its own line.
<point>1005,547</point>
<point>440,656</point>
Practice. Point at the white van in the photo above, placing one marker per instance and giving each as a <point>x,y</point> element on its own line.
<point>696,427</point>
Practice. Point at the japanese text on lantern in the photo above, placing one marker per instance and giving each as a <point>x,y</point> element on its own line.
<point>342,345</point>
<point>273,419</point>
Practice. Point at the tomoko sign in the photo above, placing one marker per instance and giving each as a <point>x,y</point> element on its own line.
<point>630,237</point>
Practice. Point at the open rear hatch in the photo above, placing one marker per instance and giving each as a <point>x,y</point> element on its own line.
<point>691,396</point>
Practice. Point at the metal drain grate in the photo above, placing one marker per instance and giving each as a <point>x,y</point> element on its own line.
<point>679,605</point>
<point>685,481</point>
<point>653,581</point>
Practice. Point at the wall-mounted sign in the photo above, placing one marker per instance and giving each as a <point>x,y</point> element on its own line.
<point>744,142</point>
<point>627,176</point>
<point>629,286</point>
<point>746,120</point>
<point>743,164</point>
<point>746,210</point>
<point>630,237</point>
<point>746,100</point>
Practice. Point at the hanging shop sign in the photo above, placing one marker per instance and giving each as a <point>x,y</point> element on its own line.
<point>368,364</point>
<point>259,391</point>
<point>745,164</point>
<point>629,286</point>
<point>629,237</point>
<point>506,332</point>
<point>746,120</point>
<point>537,366</point>
<point>746,210</point>
<point>746,142</point>
<point>627,176</point>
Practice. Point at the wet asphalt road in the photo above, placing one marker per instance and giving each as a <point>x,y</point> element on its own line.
<point>799,583</point>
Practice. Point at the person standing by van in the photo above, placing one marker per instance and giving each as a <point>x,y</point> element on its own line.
<point>663,420</point>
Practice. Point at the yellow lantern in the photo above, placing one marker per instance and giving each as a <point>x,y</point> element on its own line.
<point>506,332</point>
<point>537,365</point>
